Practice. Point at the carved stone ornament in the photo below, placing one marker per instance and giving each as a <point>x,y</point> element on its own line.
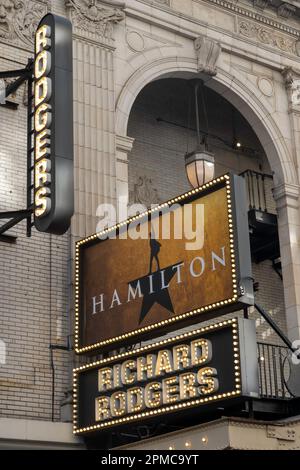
<point>286,10</point>
<point>292,83</point>
<point>268,37</point>
<point>96,16</point>
<point>19,19</point>
<point>144,192</point>
<point>208,52</point>
<point>288,76</point>
<point>261,4</point>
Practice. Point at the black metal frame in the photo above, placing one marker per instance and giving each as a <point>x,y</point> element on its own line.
<point>275,327</point>
<point>23,75</point>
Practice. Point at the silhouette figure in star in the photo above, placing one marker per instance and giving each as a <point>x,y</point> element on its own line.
<point>155,249</point>
<point>154,286</point>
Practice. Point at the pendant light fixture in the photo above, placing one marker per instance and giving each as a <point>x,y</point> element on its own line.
<point>200,164</point>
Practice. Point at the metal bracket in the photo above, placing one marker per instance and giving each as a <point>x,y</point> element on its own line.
<point>21,75</point>
<point>10,105</point>
<point>275,327</point>
<point>15,216</point>
<point>11,239</point>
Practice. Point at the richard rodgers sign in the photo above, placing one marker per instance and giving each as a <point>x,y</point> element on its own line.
<point>133,285</point>
<point>53,125</point>
<point>214,363</point>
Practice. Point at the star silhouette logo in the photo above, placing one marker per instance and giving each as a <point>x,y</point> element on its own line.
<point>154,285</point>
<point>154,289</point>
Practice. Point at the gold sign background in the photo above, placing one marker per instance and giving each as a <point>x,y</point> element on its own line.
<point>114,263</point>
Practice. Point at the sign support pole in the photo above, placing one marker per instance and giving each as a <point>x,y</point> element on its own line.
<point>30,149</point>
<point>275,327</point>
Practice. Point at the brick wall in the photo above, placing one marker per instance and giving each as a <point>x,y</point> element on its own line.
<point>33,280</point>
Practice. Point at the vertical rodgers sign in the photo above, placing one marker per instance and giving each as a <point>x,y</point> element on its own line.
<point>53,126</point>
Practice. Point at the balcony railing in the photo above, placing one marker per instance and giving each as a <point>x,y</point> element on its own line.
<point>259,191</point>
<point>273,369</point>
<point>263,224</point>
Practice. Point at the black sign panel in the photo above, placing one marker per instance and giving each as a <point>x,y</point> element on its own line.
<point>196,369</point>
<point>53,126</point>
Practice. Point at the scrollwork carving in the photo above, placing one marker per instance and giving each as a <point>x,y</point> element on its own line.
<point>144,192</point>
<point>291,80</point>
<point>19,19</point>
<point>95,16</point>
<point>268,37</point>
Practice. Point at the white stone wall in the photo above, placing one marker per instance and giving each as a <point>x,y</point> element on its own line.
<point>152,39</point>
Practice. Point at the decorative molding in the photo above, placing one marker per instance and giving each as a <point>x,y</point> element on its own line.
<point>144,192</point>
<point>135,41</point>
<point>97,17</point>
<point>124,144</point>
<point>261,4</point>
<point>286,194</point>
<point>229,5</point>
<point>19,20</point>
<point>291,79</point>
<point>286,10</point>
<point>160,2</point>
<point>268,37</point>
<point>208,52</point>
<point>288,76</point>
<point>266,86</point>
<point>139,40</point>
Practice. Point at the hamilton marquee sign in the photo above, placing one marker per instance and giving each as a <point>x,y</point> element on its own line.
<point>216,363</point>
<point>130,287</point>
<point>53,125</point>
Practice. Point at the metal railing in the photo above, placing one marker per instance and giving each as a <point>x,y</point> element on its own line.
<point>273,369</point>
<point>259,191</point>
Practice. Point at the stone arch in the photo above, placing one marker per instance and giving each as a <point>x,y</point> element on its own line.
<point>250,103</point>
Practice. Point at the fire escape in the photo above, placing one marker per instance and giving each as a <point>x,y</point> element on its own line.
<point>263,225</point>
<point>278,373</point>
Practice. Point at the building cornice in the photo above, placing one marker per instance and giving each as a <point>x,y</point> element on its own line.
<point>253,32</point>
<point>234,7</point>
<point>264,19</point>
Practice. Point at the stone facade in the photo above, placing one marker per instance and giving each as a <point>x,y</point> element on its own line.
<point>246,51</point>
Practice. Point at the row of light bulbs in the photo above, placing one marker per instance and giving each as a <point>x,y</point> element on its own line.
<point>188,444</point>
<point>225,178</point>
